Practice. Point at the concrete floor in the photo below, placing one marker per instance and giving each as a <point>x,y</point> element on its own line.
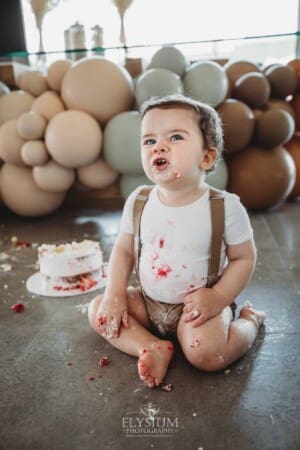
<point>48,353</point>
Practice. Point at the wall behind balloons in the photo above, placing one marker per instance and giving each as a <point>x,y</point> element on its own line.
<point>74,132</point>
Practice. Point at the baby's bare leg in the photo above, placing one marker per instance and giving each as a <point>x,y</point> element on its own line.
<point>154,354</point>
<point>220,341</point>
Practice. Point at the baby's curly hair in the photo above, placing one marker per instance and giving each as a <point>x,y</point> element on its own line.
<point>209,121</point>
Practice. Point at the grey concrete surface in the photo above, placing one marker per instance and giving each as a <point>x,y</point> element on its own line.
<point>48,353</point>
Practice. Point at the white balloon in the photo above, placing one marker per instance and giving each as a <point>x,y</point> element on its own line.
<point>157,83</point>
<point>121,143</point>
<point>219,177</point>
<point>130,182</point>
<point>206,81</point>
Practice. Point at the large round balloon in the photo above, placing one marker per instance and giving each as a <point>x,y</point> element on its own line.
<point>121,143</point>
<point>31,125</point>
<point>33,82</point>
<point>262,178</point>
<point>22,195</point>
<point>73,138</point>
<point>206,82</point>
<point>130,182</point>
<point>236,69</point>
<point>283,80</point>
<point>52,177</point>
<point>219,177</point>
<point>97,175</point>
<point>48,105</point>
<point>11,143</point>
<point>252,88</point>
<point>13,104</point>
<point>99,87</point>
<point>238,124</point>
<point>157,83</point>
<point>293,147</point>
<point>170,58</point>
<point>56,73</point>
<point>274,127</point>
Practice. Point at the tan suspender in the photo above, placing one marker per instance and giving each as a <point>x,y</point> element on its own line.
<point>217,223</point>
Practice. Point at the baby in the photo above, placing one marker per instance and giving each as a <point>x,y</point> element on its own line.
<point>180,142</point>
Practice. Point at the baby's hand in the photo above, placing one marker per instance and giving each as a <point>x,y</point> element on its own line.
<point>202,305</point>
<point>111,315</point>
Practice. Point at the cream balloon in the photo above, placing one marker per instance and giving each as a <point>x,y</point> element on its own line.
<point>48,105</point>
<point>97,175</point>
<point>13,104</point>
<point>52,177</point>
<point>99,87</point>
<point>56,73</point>
<point>34,153</point>
<point>21,194</point>
<point>206,81</point>
<point>11,143</point>
<point>33,82</point>
<point>73,138</point>
<point>157,83</point>
<point>31,125</point>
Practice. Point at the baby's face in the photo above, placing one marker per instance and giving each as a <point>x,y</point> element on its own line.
<point>172,146</point>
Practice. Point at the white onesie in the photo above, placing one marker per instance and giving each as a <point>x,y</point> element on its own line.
<point>176,242</point>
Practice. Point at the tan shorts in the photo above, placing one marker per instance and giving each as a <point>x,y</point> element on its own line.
<point>164,316</point>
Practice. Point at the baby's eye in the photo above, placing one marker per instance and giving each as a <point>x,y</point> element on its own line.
<point>176,137</point>
<point>149,142</point>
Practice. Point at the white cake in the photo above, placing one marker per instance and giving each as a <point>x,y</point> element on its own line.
<point>75,265</point>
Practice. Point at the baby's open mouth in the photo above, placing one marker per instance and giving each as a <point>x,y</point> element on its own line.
<point>160,163</point>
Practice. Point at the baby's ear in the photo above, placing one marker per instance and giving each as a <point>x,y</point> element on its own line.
<point>210,158</point>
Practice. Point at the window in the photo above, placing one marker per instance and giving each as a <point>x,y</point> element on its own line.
<point>159,22</point>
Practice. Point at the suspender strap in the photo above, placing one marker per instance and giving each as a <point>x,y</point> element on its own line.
<point>139,204</point>
<point>217,225</point>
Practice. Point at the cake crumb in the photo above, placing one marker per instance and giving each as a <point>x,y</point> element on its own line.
<point>104,361</point>
<point>18,307</point>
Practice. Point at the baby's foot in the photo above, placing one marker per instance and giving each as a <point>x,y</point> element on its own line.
<point>249,313</point>
<point>154,361</point>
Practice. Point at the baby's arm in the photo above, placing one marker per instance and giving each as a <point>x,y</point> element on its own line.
<point>210,301</point>
<point>112,312</point>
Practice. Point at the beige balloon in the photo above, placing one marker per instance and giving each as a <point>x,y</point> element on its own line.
<point>33,82</point>
<point>48,105</point>
<point>52,177</point>
<point>97,175</point>
<point>13,104</point>
<point>99,87</point>
<point>21,194</point>
<point>31,125</point>
<point>11,143</point>
<point>56,73</point>
<point>34,153</point>
<point>73,138</point>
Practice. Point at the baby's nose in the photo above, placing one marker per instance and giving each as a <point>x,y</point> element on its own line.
<point>160,147</point>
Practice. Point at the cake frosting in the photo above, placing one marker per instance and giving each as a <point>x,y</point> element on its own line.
<point>74,265</point>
